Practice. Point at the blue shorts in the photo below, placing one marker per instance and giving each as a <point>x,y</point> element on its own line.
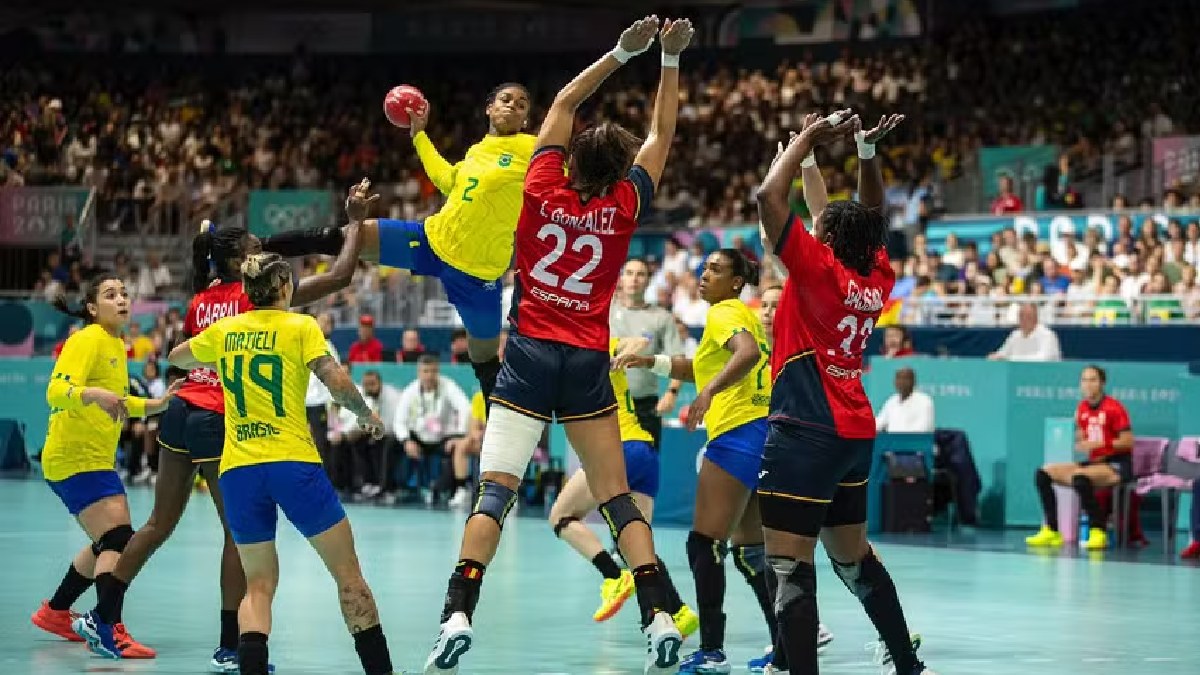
<point>403,244</point>
<point>821,476</point>
<point>193,431</point>
<point>641,467</point>
<point>550,380</point>
<point>84,489</point>
<point>301,489</point>
<point>739,451</point>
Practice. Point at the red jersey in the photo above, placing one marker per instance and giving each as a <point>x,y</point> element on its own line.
<point>370,351</point>
<point>1102,422</point>
<point>569,252</point>
<point>1003,204</point>
<point>825,315</point>
<point>203,385</point>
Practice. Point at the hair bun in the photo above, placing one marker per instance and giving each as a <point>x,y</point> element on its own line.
<point>252,266</point>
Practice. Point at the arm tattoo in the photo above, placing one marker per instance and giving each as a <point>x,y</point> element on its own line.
<point>340,386</point>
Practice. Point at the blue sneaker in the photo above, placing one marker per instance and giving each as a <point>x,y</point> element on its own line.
<point>97,634</point>
<point>760,664</point>
<point>226,661</point>
<point>708,663</point>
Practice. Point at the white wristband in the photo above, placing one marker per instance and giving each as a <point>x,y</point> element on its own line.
<point>865,150</point>
<point>622,55</point>
<point>662,365</point>
<point>809,162</point>
<point>670,60</point>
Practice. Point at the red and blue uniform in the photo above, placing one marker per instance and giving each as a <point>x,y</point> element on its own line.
<point>822,425</point>
<point>569,255</point>
<point>194,422</point>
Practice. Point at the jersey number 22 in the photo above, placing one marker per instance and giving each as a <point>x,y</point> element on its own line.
<point>574,283</point>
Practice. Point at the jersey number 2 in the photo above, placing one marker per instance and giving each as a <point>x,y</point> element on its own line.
<point>574,283</point>
<point>266,371</point>
<point>472,183</point>
<point>850,322</point>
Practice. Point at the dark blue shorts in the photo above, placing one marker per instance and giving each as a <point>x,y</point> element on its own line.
<point>403,244</point>
<point>301,489</point>
<point>192,431</point>
<point>641,467</point>
<point>817,470</point>
<point>739,451</point>
<point>551,380</point>
<point>84,489</point>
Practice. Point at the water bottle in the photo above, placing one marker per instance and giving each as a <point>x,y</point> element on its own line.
<point>1083,530</point>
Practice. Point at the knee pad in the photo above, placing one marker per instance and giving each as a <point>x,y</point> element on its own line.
<point>750,559</point>
<point>863,577</point>
<point>509,442</point>
<point>701,546</point>
<point>564,523</point>
<point>1042,479</point>
<point>494,501</point>
<point>1082,484</point>
<point>797,581</point>
<point>116,539</point>
<point>619,512</point>
<point>96,550</point>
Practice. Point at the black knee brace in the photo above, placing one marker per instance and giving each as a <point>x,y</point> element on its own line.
<point>1042,479</point>
<point>750,559</point>
<point>862,577</point>
<point>797,582</point>
<point>115,539</point>
<point>495,501</point>
<point>699,545</point>
<point>619,512</point>
<point>1083,485</point>
<point>296,243</point>
<point>563,524</point>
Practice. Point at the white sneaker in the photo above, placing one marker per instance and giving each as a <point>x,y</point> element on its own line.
<point>461,499</point>
<point>772,670</point>
<point>824,637</point>
<point>883,657</point>
<point>662,645</point>
<point>453,641</point>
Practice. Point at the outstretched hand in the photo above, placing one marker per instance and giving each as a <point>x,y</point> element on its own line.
<point>820,131</point>
<point>886,124</point>
<point>359,201</point>
<point>638,37</point>
<point>676,36</point>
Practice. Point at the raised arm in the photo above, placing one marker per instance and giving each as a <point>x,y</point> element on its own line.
<point>816,196</point>
<point>556,128</point>
<point>441,172</point>
<point>341,272</point>
<point>870,174</point>
<point>773,210</point>
<point>676,36</point>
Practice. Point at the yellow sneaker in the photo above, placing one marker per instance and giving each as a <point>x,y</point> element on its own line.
<point>613,594</point>
<point>1097,540</point>
<point>1045,537</point>
<point>686,621</point>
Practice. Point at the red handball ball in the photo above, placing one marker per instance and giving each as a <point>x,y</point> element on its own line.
<point>399,100</point>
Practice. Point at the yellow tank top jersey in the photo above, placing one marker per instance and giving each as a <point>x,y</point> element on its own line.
<point>474,230</point>
<point>748,399</point>
<point>479,407</point>
<point>83,438</point>
<point>631,428</point>
<point>262,357</point>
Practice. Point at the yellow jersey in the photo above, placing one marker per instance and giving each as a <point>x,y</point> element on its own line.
<point>479,407</point>
<point>747,400</point>
<point>82,438</point>
<point>262,357</point>
<point>473,232</point>
<point>631,428</point>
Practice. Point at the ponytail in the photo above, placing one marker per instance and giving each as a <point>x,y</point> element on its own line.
<point>60,303</point>
<point>201,264</point>
<point>90,293</point>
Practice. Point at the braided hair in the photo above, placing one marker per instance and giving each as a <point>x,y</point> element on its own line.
<point>264,275</point>
<point>855,233</point>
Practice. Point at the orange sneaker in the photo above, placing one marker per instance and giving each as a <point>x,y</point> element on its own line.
<point>55,621</point>
<point>130,648</point>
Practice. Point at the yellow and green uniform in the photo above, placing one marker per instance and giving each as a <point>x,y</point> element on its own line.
<point>631,428</point>
<point>262,357</point>
<point>473,231</point>
<point>83,438</point>
<point>748,399</point>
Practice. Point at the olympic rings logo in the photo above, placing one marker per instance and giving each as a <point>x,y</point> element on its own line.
<point>291,216</point>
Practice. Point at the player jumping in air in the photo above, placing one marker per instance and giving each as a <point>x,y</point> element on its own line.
<point>270,462</point>
<point>818,452</point>
<point>573,237</point>
<point>468,244</point>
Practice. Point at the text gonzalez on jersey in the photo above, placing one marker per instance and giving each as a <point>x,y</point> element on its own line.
<point>591,222</point>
